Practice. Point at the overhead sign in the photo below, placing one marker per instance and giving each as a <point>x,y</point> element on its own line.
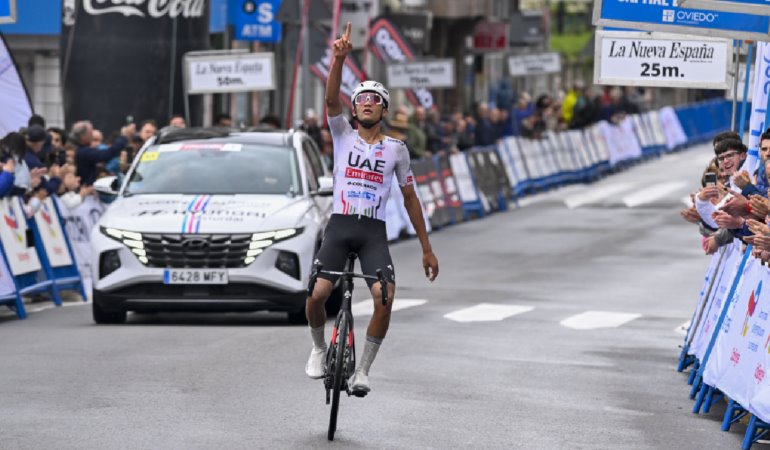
<point>668,60</point>
<point>7,11</point>
<point>256,20</point>
<point>208,74</point>
<point>757,7</point>
<point>537,64</point>
<point>665,15</point>
<point>439,73</point>
<point>415,26</point>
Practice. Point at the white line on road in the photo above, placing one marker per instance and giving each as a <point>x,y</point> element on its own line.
<point>591,320</point>
<point>556,195</point>
<point>366,307</point>
<point>652,193</point>
<point>486,312</point>
<point>596,194</point>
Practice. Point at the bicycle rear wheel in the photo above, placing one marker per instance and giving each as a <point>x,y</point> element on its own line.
<point>339,373</point>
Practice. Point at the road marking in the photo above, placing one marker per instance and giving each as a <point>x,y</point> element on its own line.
<point>682,329</point>
<point>596,194</point>
<point>652,193</point>
<point>591,320</point>
<point>558,194</point>
<point>366,307</point>
<point>486,312</point>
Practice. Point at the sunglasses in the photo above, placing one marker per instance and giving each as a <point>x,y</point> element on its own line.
<point>726,155</point>
<point>368,97</point>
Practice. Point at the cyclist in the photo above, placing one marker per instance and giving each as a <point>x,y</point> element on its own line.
<point>365,162</point>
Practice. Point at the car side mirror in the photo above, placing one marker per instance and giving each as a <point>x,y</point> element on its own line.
<point>325,186</point>
<point>107,185</point>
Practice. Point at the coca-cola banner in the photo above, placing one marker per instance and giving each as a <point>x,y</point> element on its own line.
<point>123,59</point>
<point>390,46</point>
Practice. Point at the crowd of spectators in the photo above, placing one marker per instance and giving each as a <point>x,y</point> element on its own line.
<point>428,132</point>
<point>733,201</point>
<point>38,161</point>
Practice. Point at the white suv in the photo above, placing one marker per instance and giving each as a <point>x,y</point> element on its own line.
<point>212,220</point>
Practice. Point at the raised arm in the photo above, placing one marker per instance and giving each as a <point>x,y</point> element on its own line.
<point>340,49</point>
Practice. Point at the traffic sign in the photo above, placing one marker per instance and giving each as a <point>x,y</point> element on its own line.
<point>665,16</point>
<point>756,7</point>
<point>7,11</point>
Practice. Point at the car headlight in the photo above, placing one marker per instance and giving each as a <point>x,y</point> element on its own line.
<point>130,239</point>
<point>264,239</point>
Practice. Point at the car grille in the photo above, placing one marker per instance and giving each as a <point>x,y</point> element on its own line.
<point>196,250</point>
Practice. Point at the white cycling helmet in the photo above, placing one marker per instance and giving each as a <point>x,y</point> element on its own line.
<point>371,86</point>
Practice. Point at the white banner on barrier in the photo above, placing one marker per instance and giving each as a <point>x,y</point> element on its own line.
<point>738,360</point>
<point>621,140</point>
<point>79,223</point>
<point>52,235</point>
<point>713,306</point>
<point>462,173</point>
<point>22,257</point>
<point>705,291</point>
<point>671,127</point>
<point>7,287</point>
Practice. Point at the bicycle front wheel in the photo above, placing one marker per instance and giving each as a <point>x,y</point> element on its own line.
<point>339,373</point>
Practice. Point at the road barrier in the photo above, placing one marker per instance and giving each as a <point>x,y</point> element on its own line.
<point>50,252</point>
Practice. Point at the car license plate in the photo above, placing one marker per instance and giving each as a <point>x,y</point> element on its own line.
<point>195,276</point>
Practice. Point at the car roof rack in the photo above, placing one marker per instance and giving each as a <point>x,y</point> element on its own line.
<point>174,134</point>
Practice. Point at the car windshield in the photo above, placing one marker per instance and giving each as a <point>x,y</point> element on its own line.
<point>205,167</point>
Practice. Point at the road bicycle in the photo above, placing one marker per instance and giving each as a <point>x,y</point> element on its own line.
<point>341,355</point>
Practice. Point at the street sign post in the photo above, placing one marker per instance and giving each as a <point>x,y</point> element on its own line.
<point>535,64</point>
<point>666,17</point>
<point>7,11</point>
<point>439,73</point>
<point>755,7</point>
<point>630,58</point>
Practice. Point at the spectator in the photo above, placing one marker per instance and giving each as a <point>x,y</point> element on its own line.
<point>86,157</point>
<point>415,134</point>
<point>35,140</point>
<point>464,136</point>
<point>147,129</point>
<point>97,140</point>
<point>524,109</point>
<point>485,130</point>
<point>327,149</point>
<point>177,120</point>
<point>7,177</point>
<point>271,121</point>
<point>223,120</point>
<point>58,139</point>
<point>310,126</point>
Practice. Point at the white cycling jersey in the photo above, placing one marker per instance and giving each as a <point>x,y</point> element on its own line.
<point>363,172</point>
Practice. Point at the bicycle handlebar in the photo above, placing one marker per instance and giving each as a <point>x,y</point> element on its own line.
<point>318,269</point>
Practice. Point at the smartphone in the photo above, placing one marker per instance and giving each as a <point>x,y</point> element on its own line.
<point>710,178</point>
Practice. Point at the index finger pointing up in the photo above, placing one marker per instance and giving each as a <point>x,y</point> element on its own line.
<point>347,32</point>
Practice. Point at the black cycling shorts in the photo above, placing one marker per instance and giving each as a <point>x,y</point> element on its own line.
<point>358,234</point>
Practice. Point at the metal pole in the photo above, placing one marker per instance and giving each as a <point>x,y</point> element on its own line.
<point>172,76</point>
<point>306,81</point>
<point>737,54</point>
<point>745,103</point>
